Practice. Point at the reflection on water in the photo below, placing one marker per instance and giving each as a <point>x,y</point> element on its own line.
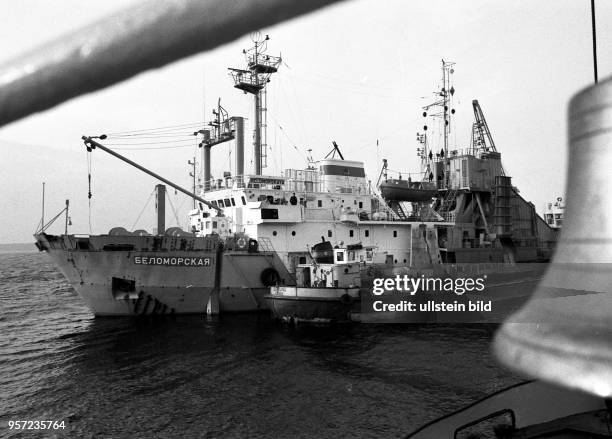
<point>233,376</point>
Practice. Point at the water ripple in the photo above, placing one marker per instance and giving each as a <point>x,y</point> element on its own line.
<point>234,376</point>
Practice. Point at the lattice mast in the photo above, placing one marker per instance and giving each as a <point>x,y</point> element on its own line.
<point>442,109</point>
<point>253,80</point>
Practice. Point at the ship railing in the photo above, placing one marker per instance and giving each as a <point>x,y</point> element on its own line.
<point>458,152</point>
<point>227,182</point>
<point>471,269</point>
<point>449,217</point>
<point>413,177</point>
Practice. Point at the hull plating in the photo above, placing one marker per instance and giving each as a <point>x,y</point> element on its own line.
<point>138,282</point>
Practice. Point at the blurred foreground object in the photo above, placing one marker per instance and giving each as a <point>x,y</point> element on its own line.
<point>148,35</point>
<point>564,333</point>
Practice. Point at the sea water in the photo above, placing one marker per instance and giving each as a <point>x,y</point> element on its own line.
<point>235,376</point>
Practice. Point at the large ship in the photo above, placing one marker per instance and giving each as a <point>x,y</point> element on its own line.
<point>250,231</point>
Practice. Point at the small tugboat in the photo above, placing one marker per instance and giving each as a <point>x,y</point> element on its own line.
<point>328,288</point>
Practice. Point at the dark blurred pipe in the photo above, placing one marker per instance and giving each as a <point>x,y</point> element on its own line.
<point>149,35</point>
<point>594,39</point>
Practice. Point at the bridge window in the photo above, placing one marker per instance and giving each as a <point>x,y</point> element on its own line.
<point>350,233</point>
<point>319,203</point>
<point>214,224</point>
<point>395,233</point>
<point>269,213</point>
<point>227,202</point>
<point>367,233</point>
<point>361,204</point>
<point>233,201</point>
<point>329,233</point>
<point>243,200</point>
<point>220,202</point>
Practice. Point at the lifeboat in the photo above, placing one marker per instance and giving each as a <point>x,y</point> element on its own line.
<point>404,190</point>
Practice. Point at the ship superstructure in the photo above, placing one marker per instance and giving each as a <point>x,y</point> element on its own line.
<point>461,209</point>
<point>554,212</point>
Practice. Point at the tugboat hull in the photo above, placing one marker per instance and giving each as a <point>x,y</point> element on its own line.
<point>314,304</point>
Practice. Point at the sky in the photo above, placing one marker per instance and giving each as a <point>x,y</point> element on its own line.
<point>358,73</point>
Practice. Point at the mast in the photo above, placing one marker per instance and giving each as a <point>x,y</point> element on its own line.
<point>254,80</point>
<point>192,173</point>
<point>220,130</point>
<point>42,218</point>
<point>442,110</point>
<point>447,91</point>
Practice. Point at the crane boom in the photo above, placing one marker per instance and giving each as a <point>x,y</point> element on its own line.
<point>92,144</point>
<point>481,128</point>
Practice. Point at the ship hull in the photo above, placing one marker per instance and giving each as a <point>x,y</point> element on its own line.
<point>313,304</point>
<point>114,279</point>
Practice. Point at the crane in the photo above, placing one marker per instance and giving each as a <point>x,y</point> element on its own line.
<point>481,135</point>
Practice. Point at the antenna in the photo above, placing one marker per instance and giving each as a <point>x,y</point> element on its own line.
<point>193,174</point>
<point>310,159</point>
<point>254,80</point>
<point>334,150</point>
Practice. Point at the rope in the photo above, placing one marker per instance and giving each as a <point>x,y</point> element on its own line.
<point>46,226</point>
<point>143,209</point>
<point>173,210</point>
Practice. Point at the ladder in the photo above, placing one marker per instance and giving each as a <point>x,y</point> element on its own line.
<point>447,201</point>
<point>397,208</point>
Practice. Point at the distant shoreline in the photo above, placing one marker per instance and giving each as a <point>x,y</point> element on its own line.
<point>18,248</point>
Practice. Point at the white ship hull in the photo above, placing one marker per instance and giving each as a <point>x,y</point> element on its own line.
<point>163,281</point>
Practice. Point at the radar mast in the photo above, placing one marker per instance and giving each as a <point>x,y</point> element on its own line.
<point>253,80</point>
